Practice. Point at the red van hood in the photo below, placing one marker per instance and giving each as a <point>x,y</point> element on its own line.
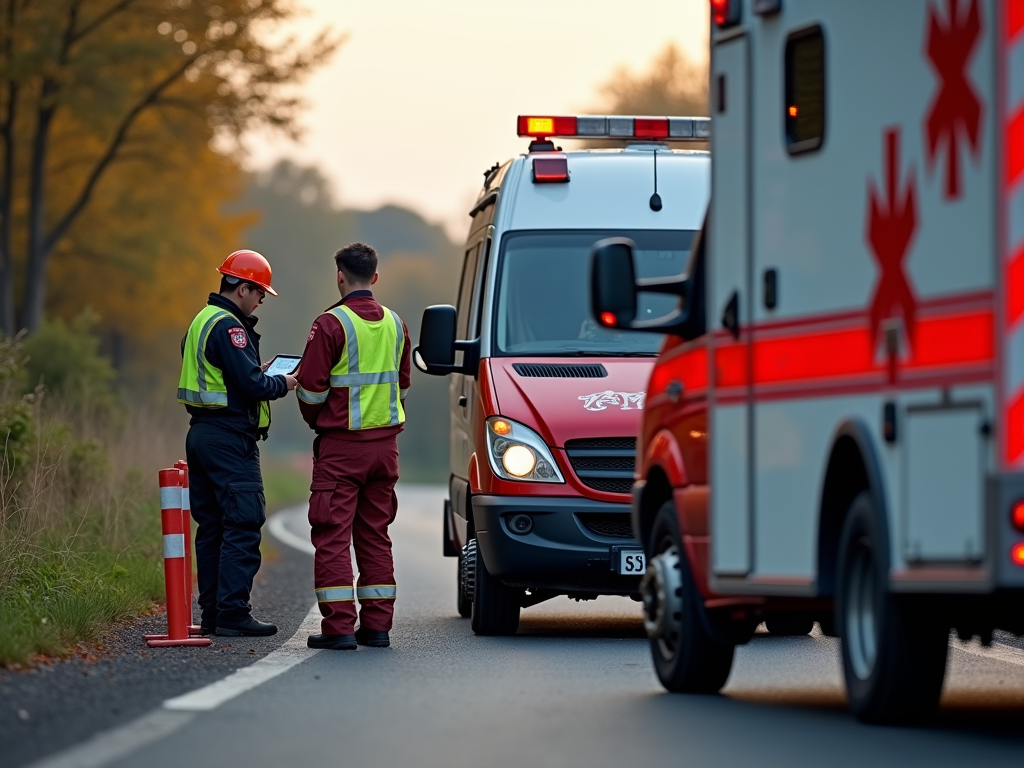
<point>563,409</point>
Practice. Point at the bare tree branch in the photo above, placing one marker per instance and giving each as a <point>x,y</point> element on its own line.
<point>108,156</point>
<point>105,16</point>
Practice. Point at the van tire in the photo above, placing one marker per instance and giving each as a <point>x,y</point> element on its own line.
<point>789,626</point>
<point>495,607</point>
<point>686,658</point>
<point>463,595</point>
<point>894,651</point>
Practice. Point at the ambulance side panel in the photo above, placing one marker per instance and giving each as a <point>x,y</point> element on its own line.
<point>817,219</point>
<point>729,422</point>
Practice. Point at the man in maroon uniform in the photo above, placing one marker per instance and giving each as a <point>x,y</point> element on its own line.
<point>353,381</point>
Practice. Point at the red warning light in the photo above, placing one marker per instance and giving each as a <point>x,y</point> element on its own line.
<point>1017,516</point>
<point>725,12</point>
<point>1017,554</point>
<point>609,319</point>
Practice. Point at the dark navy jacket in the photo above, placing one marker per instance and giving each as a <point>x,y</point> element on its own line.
<point>246,383</point>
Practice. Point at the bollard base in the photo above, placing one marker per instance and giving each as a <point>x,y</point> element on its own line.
<point>195,629</point>
<point>168,643</point>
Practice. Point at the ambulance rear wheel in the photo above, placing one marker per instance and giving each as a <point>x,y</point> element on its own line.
<point>495,608</point>
<point>686,658</point>
<point>894,652</point>
<point>463,597</point>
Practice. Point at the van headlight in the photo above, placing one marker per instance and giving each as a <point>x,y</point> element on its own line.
<point>516,452</point>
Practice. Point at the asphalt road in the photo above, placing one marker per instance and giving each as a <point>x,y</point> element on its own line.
<point>573,688</point>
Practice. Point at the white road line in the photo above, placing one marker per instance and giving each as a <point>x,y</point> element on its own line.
<point>108,746</point>
<point>996,652</point>
<point>278,526</point>
<point>278,661</point>
<point>114,744</point>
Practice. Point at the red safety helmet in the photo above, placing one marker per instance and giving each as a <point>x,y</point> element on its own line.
<point>251,266</point>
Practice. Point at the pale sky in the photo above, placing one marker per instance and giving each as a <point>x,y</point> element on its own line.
<point>423,97</point>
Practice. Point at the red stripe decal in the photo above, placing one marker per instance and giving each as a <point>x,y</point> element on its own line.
<point>1015,429</point>
<point>1014,18</point>
<point>1015,148</point>
<point>950,341</point>
<point>1015,288</point>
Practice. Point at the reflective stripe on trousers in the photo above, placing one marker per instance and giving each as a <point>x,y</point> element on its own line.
<point>377,592</point>
<point>334,594</point>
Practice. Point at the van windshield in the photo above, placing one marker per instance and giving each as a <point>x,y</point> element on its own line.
<point>543,296</point>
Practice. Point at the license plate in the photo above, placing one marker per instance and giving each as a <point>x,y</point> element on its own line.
<point>632,562</point>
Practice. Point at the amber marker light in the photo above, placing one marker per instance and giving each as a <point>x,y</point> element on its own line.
<point>792,111</point>
<point>1017,554</point>
<point>501,427</point>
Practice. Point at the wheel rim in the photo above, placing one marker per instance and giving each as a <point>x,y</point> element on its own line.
<point>861,619</point>
<point>661,589</point>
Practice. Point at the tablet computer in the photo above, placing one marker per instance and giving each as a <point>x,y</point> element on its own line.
<point>283,364</point>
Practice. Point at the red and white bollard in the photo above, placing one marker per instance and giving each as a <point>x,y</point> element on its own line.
<point>174,565</point>
<point>186,522</point>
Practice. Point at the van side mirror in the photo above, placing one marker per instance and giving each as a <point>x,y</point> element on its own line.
<point>436,352</point>
<point>437,340</point>
<point>613,283</point>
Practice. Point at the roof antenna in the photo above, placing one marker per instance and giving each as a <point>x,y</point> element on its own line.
<point>655,198</point>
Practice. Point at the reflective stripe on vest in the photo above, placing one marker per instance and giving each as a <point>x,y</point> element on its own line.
<point>334,594</point>
<point>313,398</point>
<point>201,383</point>
<point>368,369</point>
<point>377,592</point>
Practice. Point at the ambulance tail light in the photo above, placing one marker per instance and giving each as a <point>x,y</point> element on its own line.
<point>726,13</point>
<point>615,127</point>
<point>1017,516</point>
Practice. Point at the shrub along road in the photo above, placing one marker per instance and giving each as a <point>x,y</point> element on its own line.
<point>574,687</point>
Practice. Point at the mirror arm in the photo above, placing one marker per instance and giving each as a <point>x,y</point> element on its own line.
<point>470,360</point>
<point>676,286</point>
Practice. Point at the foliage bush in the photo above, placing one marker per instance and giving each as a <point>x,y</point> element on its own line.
<point>79,526</point>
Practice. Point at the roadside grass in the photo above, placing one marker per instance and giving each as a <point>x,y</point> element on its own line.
<point>284,484</point>
<point>80,539</point>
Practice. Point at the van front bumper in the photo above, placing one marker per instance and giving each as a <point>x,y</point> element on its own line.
<point>566,549</point>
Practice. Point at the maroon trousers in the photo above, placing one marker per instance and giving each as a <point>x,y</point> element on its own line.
<point>353,502</point>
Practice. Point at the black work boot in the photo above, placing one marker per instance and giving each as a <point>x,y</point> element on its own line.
<point>332,642</point>
<point>247,627</point>
<point>374,638</point>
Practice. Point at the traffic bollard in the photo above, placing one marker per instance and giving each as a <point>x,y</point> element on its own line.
<point>174,565</point>
<point>186,522</point>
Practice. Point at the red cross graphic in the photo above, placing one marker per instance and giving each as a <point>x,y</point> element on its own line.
<point>956,110</point>
<point>891,226</point>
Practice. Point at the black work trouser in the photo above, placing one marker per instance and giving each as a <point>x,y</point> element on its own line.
<point>226,494</point>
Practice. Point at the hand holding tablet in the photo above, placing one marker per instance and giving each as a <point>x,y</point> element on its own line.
<point>282,365</point>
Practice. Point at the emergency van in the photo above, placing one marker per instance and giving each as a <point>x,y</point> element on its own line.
<point>545,403</point>
<point>834,429</point>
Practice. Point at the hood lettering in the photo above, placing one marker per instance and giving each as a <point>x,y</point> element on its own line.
<point>600,401</point>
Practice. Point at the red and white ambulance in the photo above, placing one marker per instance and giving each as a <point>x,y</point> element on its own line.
<point>834,431</point>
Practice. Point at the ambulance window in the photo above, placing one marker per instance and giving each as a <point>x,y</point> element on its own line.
<point>481,279</point>
<point>466,290</point>
<point>804,110</point>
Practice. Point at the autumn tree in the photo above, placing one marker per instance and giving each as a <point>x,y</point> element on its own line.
<point>673,84</point>
<point>93,88</point>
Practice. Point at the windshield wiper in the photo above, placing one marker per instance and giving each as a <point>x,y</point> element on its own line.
<point>605,353</point>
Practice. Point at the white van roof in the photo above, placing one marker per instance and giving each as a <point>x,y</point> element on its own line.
<point>609,189</point>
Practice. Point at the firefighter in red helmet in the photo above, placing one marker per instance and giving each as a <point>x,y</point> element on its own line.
<point>227,394</point>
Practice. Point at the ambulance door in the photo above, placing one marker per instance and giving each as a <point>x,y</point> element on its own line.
<point>729,310</point>
<point>461,442</point>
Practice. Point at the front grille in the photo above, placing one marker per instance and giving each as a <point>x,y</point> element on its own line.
<point>560,371</point>
<point>604,463</point>
<point>613,524</point>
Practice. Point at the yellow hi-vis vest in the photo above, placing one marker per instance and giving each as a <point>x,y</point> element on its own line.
<point>368,369</point>
<point>201,383</point>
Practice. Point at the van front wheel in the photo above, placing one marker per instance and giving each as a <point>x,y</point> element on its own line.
<point>495,607</point>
